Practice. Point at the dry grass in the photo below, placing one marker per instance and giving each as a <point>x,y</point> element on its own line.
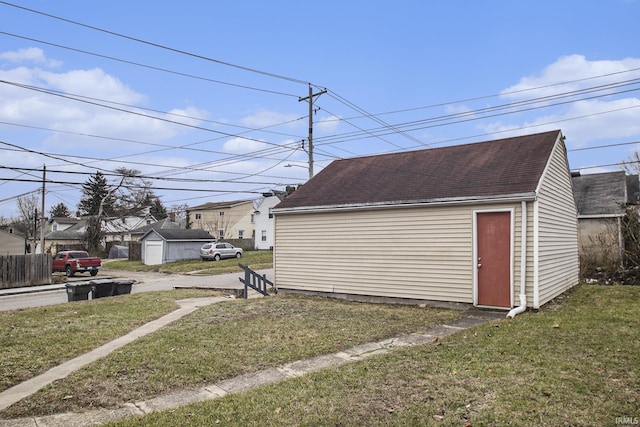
<point>222,341</point>
<point>575,363</point>
<point>35,340</point>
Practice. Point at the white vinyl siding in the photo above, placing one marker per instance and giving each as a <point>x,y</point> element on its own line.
<point>417,253</point>
<point>558,264</point>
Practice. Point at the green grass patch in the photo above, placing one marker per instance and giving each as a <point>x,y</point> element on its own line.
<point>257,260</point>
<point>35,340</point>
<point>574,363</point>
<point>222,341</point>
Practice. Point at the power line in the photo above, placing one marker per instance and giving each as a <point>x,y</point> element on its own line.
<point>55,157</point>
<point>482,113</point>
<point>79,98</point>
<point>157,45</point>
<point>144,177</point>
<point>139,187</point>
<point>137,64</point>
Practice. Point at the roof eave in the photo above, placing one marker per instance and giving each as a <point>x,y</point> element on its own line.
<point>503,198</point>
<point>596,216</point>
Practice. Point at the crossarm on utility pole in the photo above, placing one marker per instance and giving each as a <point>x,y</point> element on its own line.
<point>310,149</point>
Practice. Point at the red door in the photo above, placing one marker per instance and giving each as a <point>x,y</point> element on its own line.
<point>494,259</point>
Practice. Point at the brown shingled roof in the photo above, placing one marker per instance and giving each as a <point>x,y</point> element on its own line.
<point>511,166</point>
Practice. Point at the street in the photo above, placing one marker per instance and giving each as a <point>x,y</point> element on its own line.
<point>145,282</point>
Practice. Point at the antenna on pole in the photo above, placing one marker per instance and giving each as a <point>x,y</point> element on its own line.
<point>310,149</point>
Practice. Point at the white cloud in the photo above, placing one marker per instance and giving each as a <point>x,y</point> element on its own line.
<point>572,68</point>
<point>327,123</point>
<point>191,116</point>
<point>34,108</point>
<point>29,55</point>
<point>241,145</point>
<point>265,118</point>
<point>583,120</point>
<point>91,83</point>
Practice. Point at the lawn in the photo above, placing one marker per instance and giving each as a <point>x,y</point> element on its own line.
<point>574,363</point>
<point>35,340</point>
<point>214,343</point>
<point>257,260</point>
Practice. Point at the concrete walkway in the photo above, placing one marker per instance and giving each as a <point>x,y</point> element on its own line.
<point>470,318</point>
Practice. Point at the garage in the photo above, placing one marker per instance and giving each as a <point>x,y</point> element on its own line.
<point>153,252</point>
<point>167,245</point>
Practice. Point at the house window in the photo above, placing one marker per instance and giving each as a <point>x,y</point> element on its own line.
<point>198,216</point>
<point>221,233</point>
<point>240,234</point>
<point>264,235</point>
<point>253,218</point>
<point>54,227</point>
<point>221,213</point>
<point>270,213</point>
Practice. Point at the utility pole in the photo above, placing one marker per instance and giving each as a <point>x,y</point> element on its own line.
<point>42,219</point>
<point>310,99</point>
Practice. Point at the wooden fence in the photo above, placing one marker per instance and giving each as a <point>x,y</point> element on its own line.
<point>25,270</point>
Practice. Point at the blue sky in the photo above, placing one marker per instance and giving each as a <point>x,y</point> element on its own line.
<point>222,81</point>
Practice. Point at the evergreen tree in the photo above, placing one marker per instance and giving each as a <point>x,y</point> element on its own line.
<point>158,210</point>
<point>94,191</point>
<point>59,211</point>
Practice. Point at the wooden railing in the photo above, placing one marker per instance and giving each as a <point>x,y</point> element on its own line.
<point>255,281</point>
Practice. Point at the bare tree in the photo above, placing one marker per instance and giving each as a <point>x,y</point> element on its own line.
<point>219,226</point>
<point>632,164</point>
<point>27,223</point>
<point>178,214</point>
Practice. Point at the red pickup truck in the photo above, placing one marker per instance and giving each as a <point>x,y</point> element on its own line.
<point>72,262</point>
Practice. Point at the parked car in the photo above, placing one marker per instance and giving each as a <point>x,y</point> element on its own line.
<point>72,262</point>
<point>217,251</point>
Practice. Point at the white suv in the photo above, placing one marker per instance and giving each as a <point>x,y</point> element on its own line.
<point>217,251</point>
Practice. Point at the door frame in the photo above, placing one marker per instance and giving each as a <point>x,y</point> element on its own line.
<point>474,258</point>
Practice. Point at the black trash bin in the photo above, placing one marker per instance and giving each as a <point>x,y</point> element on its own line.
<point>122,287</point>
<point>101,288</point>
<point>78,291</point>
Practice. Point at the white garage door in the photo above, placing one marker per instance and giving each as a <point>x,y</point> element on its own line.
<point>152,253</point>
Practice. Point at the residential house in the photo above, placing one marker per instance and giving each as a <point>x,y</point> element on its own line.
<point>163,224</point>
<point>602,200</point>
<point>224,220</point>
<point>492,224</point>
<point>263,220</point>
<point>67,236</point>
<point>61,223</point>
<point>166,245</point>
<point>13,244</point>
<point>119,229</point>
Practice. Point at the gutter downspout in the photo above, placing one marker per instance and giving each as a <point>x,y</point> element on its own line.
<point>523,265</point>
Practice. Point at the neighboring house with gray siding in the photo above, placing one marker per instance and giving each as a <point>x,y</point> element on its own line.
<point>602,200</point>
<point>166,245</point>
<point>492,224</point>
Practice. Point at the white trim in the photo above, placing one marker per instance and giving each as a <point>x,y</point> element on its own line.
<point>523,248</point>
<point>601,216</point>
<point>474,259</point>
<point>475,200</point>
<point>549,161</point>
<point>536,254</point>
